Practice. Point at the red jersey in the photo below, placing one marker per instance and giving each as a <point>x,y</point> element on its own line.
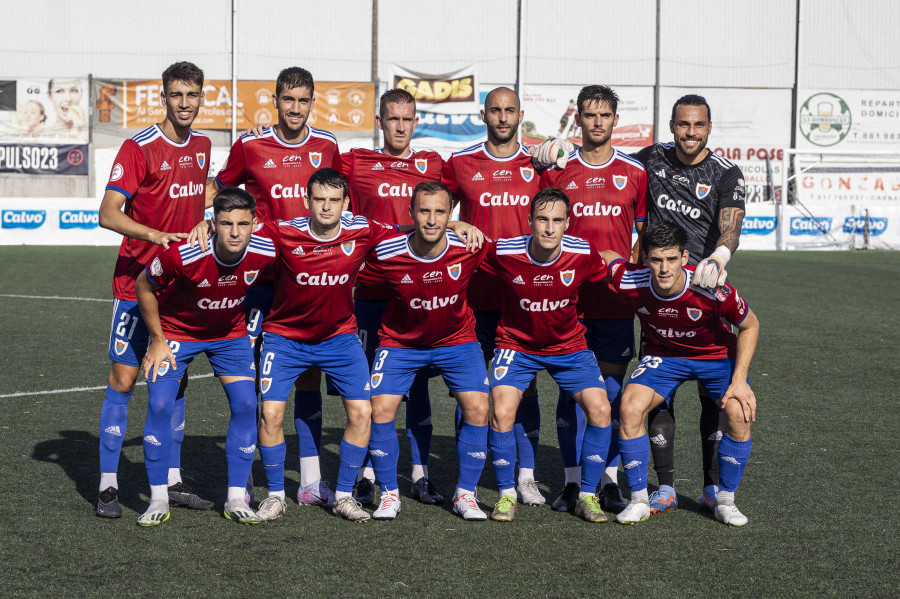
<point>539,300</point>
<point>275,172</point>
<point>428,305</point>
<point>381,188</point>
<point>164,184</point>
<point>201,298</point>
<point>494,194</point>
<point>686,325</point>
<point>314,277</point>
<point>607,199</point>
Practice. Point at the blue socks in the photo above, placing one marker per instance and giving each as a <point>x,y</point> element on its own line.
<point>240,443</point>
<point>273,463</point>
<point>352,457</point>
<point>614,393</point>
<point>471,452</point>
<point>113,421</point>
<point>594,448</point>
<point>503,454</point>
<point>418,422</point>
<point>527,429</point>
<point>635,457</point>
<point>732,461</point>
<point>384,450</point>
<point>158,430</point>
<point>177,424</point>
<point>308,421</point>
<point>570,424</point>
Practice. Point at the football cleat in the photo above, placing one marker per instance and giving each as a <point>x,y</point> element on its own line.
<point>389,508</point>
<point>663,500</point>
<point>271,508</point>
<point>156,514</point>
<point>364,491</point>
<point>108,503</point>
<point>350,509</point>
<point>505,510</point>
<point>239,511</point>
<point>567,498</point>
<point>730,515</point>
<point>423,490</point>
<point>466,505</point>
<point>529,494</point>
<point>588,507</point>
<point>708,499</point>
<point>634,513</point>
<point>318,493</point>
<point>181,495</point>
<point>611,498</point>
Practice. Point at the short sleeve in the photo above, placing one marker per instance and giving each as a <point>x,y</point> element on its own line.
<point>235,170</point>
<point>730,305</point>
<point>640,203</point>
<point>165,268</point>
<point>128,170</point>
<point>597,267</point>
<point>732,190</point>
<point>448,175</point>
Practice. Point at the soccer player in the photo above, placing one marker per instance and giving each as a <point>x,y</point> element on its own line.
<point>685,339</point>
<point>158,177</point>
<point>192,302</point>
<point>275,165</point>
<point>692,186</point>
<point>539,277</point>
<point>494,183</point>
<point>381,184</point>
<point>607,190</point>
<point>427,324</point>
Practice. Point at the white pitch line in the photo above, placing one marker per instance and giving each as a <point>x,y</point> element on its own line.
<point>57,297</point>
<point>77,389</point>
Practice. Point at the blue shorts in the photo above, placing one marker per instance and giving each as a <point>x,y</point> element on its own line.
<point>368,322</point>
<point>611,340</point>
<point>257,306</point>
<point>282,360</point>
<point>573,372</point>
<point>228,357</point>
<point>665,375</point>
<point>128,336</point>
<point>486,322</point>
<point>460,366</point>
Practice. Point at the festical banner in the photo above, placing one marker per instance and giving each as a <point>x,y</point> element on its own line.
<point>848,119</point>
<point>550,112</point>
<point>44,126</point>
<point>340,106</point>
<point>748,126</point>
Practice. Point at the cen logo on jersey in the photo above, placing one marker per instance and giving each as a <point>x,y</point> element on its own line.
<point>434,276</point>
<point>543,280</point>
<point>502,174</point>
<point>669,312</point>
<point>292,160</point>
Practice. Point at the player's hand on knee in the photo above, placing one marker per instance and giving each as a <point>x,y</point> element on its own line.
<point>157,354</point>
<point>710,273</point>
<point>743,394</point>
<point>552,152</point>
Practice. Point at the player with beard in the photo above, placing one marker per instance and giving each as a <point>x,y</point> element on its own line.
<point>692,186</point>
<point>274,163</point>
<point>494,182</point>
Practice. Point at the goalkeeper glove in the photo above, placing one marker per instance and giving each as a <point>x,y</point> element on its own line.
<point>710,273</point>
<point>552,151</point>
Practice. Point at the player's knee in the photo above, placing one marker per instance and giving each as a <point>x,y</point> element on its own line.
<point>161,405</point>
<point>476,410</point>
<point>272,417</point>
<point>359,413</point>
<point>597,412</point>
<point>631,413</point>
<point>122,380</point>
<point>735,425</point>
<point>383,411</point>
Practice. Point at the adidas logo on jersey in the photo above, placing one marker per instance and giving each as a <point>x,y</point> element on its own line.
<point>632,464</point>
<point>478,455</point>
<point>378,167</point>
<point>406,279</point>
<point>595,458</point>
<point>113,430</point>
<point>165,166</point>
<point>477,177</point>
<point>298,251</point>
<point>378,453</point>
<point>519,280</point>
<point>643,310</point>
<point>269,164</point>
<point>571,185</point>
<point>658,440</point>
<point>661,173</point>
<point>152,440</point>
<point>203,283</point>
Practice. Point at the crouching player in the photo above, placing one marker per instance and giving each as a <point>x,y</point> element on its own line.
<point>540,275</point>
<point>192,301</point>
<point>427,323</point>
<point>685,340</point>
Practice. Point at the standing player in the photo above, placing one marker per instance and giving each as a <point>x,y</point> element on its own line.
<point>192,302</point>
<point>381,185</point>
<point>607,190</point>
<point>427,324</point>
<point>494,182</point>
<point>685,340</point>
<point>158,177</point>
<point>696,188</point>
<point>275,166</point>
<point>539,276</point>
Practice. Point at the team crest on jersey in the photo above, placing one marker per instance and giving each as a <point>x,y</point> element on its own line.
<point>694,313</point>
<point>265,384</point>
<point>315,158</point>
<point>527,173</point>
<point>637,372</point>
<point>250,276</point>
<point>567,276</point>
<point>348,246</point>
<point>163,368</point>
<point>120,347</point>
<point>376,379</point>
<point>500,372</point>
<point>201,159</point>
<point>620,181</point>
<point>453,270</point>
<point>702,190</point>
<point>422,165</point>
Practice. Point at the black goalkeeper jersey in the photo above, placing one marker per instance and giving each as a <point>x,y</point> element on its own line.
<point>691,195</point>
